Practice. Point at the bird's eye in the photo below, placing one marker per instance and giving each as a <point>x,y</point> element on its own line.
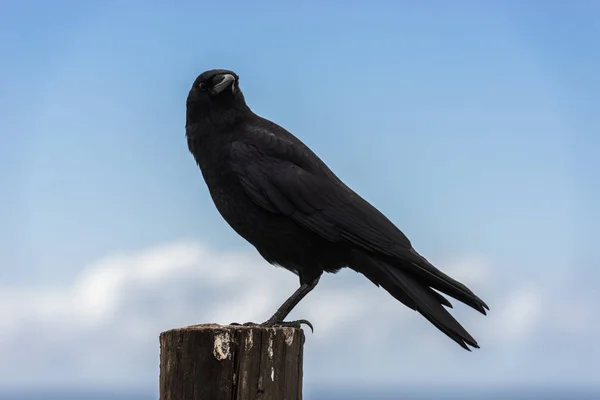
<point>202,86</point>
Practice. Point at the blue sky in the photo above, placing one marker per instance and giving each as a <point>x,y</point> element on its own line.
<point>472,124</point>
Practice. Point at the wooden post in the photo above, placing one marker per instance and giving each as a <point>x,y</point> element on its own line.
<point>231,362</point>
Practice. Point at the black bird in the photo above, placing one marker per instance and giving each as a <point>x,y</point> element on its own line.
<point>279,196</point>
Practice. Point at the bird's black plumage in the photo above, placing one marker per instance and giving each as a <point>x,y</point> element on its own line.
<point>278,195</point>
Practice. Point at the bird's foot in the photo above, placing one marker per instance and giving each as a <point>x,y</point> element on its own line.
<point>244,324</point>
<point>272,323</point>
<point>293,324</point>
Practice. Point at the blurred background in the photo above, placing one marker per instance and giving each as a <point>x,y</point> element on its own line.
<point>473,125</point>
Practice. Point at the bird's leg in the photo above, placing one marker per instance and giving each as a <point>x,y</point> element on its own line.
<point>289,304</point>
<point>278,318</point>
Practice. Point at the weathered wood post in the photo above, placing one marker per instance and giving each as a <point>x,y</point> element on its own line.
<point>231,362</point>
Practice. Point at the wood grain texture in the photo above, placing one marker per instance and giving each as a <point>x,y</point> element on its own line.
<point>215,362</point>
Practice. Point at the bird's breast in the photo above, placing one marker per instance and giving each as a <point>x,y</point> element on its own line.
<point>277,237</point>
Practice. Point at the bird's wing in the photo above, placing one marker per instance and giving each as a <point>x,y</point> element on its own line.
<point>285,177</point>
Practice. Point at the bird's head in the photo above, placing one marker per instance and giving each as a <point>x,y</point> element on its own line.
<point>215,97</point>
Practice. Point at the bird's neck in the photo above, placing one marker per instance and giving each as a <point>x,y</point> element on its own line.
<point>216,119</point>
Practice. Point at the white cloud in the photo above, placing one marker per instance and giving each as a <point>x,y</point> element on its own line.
<point>104,327</point>
<point>520,314</point>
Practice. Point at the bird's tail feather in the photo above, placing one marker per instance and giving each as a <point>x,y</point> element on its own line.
<point>433,277</point>
<point>414,294</point>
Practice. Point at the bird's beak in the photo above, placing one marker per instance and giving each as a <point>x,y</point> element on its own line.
<point>228,80</point>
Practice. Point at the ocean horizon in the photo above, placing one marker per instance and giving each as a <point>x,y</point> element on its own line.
<point>333,393</point>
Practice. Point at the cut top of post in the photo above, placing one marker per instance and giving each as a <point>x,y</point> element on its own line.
<point>231,362</point>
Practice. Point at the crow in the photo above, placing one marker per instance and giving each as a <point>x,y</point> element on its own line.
<point>282,198</point>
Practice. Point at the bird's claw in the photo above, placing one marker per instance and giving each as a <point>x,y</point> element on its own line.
<point>294,324</point>
<point>272,324</point>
